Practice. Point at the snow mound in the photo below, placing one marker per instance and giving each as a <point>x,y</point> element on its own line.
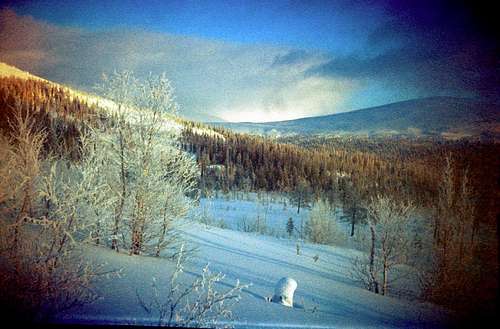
<point>283,292</point>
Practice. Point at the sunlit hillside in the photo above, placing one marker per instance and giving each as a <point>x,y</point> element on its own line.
<point>109,106</point>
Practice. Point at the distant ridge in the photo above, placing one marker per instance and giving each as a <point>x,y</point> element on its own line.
<point>450,117</point>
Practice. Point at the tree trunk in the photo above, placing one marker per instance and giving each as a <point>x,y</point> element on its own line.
<point>160,242</point>
<point>301,228</point>
<point>384,287</point>
<point>164,227</point>
<point>138,227</point>
<point>97,234</point>
<point>136,246</point>
<point>352,225</point>
<point>119,212</point>
<point>372,261</point>
<point>136,242</point>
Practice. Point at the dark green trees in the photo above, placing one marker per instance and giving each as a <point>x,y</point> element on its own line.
<point>290,226</point>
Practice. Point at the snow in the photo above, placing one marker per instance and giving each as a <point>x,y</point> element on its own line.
<point>283,292</point>
<point>325,297</point>
<point>270,212</point>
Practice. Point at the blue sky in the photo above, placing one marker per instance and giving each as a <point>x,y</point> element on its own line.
<point>337,26</point>
<point>263,60</point>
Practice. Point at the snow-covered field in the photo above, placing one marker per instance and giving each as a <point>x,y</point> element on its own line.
<point>326,296</point>
<point>268,214</point>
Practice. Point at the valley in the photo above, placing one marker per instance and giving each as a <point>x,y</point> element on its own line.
<point>378,230</point>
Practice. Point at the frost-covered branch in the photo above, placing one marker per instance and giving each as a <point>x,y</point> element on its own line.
<point>199,304</point>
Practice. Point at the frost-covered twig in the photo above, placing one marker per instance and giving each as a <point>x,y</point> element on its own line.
<point>198,304</point>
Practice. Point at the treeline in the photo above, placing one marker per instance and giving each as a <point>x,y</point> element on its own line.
<point>337,167</point>
<point>340,167</point>
<point>250,162</point>
<point>52,110</point>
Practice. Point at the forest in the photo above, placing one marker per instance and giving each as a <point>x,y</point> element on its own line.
<point>337,166</point>
<point>62,118</point>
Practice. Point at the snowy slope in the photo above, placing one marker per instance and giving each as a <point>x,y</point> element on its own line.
<point>325,297</point>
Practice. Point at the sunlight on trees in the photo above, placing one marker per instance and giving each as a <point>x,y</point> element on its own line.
<point>456,268</point>
<point>127,184</point>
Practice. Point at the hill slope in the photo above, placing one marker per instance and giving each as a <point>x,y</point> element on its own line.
<point>326,296</point>
<point>107,105</point>
<point>429,116</point>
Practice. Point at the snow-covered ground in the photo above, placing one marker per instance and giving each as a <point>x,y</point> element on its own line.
<point>270,214</point>
<point>326,296</point>
<point>265,213</point>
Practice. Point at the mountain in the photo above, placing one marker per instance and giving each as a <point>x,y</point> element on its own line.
<point>449,117</point>
<point>11,71</point>
<point>198,116</point>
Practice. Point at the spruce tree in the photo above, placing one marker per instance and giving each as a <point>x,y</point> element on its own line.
<point>290,226</point>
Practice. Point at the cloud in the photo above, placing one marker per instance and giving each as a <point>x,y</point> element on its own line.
<point>303,98</point>
<point>291,57</point>
<point>425,49</point>
<point>421,71</point>
<point>211,78</point>
<point>413,50</point>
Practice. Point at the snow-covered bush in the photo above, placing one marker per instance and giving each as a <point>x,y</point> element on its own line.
<point>41,271</point>
<point>321,226</point>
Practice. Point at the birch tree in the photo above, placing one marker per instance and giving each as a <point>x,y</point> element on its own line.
<point>389,242</point>
<point>150,177</point>
<point>388,222</point>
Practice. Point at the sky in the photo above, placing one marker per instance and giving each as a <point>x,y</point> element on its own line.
<point>262,60</point>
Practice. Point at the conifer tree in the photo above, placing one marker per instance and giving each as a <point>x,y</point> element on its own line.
<point>290,226</point>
